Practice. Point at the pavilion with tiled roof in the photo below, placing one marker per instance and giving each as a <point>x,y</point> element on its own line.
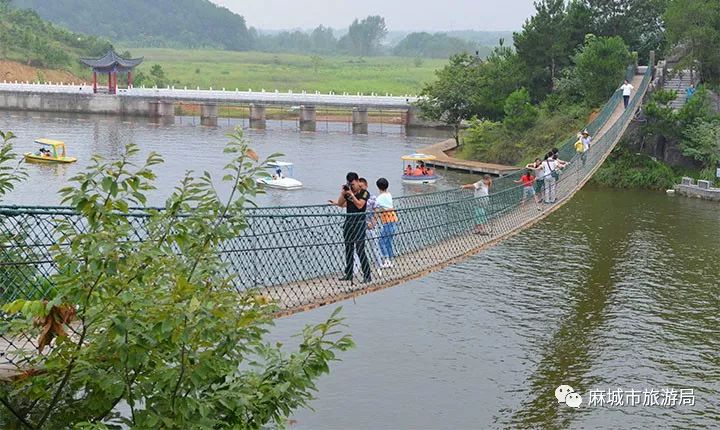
<point>112,64</point>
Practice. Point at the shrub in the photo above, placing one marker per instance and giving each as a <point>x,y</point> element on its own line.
<point>625,169</point>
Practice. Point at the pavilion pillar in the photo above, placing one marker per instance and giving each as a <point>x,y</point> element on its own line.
<point>94,82</point>
<point>115,82</point>
<point>109,82</point>
<point>129,78</point>
<point>257,116</point>
<point>307,118</point>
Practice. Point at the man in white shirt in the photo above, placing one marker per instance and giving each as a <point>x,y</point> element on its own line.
<point>550,166</point>
<point>627,92</point>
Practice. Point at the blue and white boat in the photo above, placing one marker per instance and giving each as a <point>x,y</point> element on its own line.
<point>281,178</point>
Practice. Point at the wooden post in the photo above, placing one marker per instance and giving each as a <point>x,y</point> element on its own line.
<point>109,82</point>
<point>94,82</point>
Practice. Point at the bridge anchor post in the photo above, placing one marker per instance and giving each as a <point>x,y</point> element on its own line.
<point>307,118</point>
<point>360,120</point>
<point>162,111</point>
<point>209,114</point>
<point>257,117</point>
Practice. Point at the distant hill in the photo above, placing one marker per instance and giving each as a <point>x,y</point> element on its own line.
<point>155,23</point>
<point>28,39</point>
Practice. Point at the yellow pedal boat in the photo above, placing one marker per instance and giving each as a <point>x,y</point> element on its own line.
<point>56,153</point>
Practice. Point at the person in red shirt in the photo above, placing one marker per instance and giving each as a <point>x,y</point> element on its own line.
<point>528,181</point>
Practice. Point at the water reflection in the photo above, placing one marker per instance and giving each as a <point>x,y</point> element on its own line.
<point>567,358</point>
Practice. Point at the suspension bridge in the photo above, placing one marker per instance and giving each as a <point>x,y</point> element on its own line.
<point>296,255</point>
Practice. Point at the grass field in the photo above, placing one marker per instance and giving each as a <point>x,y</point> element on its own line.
<point>257,70</point>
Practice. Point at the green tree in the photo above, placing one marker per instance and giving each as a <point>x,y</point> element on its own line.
<point>701,141</point>
<point>694,27</point>
<point>638,22</point>
<point>364,37</point>
<point>499,75</point>
<point>695,128</point>
<point>546,44</point>
<point>157,324</point>
<point>438,45</point>
<point>520,113</point>
<point>601,65</point>
<point>451,97</point>
<point>323,40</point>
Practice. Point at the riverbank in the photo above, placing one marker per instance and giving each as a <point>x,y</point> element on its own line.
<point>702,189</point>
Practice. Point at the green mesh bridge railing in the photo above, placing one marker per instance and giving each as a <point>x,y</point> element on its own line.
<point>295,255</point>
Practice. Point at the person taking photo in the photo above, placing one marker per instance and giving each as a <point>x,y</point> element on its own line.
<point>354,199</point>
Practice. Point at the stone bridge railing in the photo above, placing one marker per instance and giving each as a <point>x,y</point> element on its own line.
<point>160,102</point>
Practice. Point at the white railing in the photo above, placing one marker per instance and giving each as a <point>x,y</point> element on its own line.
<point>223,95</point>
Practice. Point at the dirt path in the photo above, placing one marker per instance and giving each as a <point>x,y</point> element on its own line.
<point>14,71</point>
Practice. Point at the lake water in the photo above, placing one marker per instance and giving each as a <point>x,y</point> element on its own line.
<point>321,159</point>
<point>617,290</point>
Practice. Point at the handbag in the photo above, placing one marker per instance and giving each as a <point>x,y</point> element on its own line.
<point>555,173</point>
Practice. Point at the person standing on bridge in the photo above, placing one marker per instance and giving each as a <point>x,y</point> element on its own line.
<point>550,167</point>
<point>528,182</point>
<point>482,200</point>
<point>388,218</point>
<point>539,173</point>
<point>627,89</point>
<point>354,199</point>
<point>372,234</point>
<point>586,139</point>
<point>580,149</point>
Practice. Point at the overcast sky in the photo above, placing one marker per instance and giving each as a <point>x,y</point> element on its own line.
<point>399,14</point>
